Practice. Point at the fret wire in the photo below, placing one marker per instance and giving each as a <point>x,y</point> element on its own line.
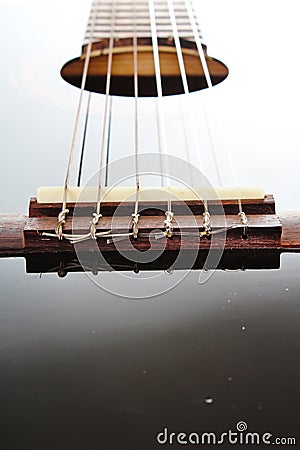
<point>127,27</point>
<point>139,14</point>
<point>163,18</point>
<point>128,22</point>
<point>101,12</point>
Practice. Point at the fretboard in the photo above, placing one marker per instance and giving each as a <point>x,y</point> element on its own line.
<point>121,16</point>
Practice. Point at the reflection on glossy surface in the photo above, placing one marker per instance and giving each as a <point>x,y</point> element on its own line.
<point>81,368</point>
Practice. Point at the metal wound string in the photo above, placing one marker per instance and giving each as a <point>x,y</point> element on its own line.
<point>93,234</point>
<point>75,132</point>
<point>58,232</point>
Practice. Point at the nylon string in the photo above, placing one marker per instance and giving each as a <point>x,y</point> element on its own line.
<point>186,91</point>
<point>105,143</point>
<point>104,140</point>
<point>79,107</point>
<point>136,109</point>
<point>189,6</point>
<point>87,113</point>
<point>108,140</point>
<point>165,176</point>
<point>208,81</point>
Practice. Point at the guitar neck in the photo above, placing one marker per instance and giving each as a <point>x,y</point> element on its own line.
<point>121,27</point>
<point>123,17</point>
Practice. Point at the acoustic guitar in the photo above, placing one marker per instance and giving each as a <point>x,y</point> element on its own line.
<point>137,340</point>
<point>148,49</point>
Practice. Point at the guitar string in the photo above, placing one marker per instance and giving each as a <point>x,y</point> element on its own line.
<point>208,81</point>
<point>75,238</point>
<point>165,176</point>
<point>206,215</point>
<point>185,137</point>
<point>160,150</point>
<point>162,144</point>
<point>85,72</point>
<point>183,79</point>
<point>106,108</point>
<point>83,145</point>
<point>64,211</point>
<point>105,142</point>
<point>93,234</point>
<point>108,142</point>
<point>135,215</point>
<point>79,107</point>
<point>189,5</point>
<point>96,216</point>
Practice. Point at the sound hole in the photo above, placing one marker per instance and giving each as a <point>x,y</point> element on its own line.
<point>122,68</point>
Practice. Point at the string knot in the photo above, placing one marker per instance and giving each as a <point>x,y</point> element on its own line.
<point>94,223</point>
<point>245,222</point>
<point>168,223</point>
<point>135,226</point>
<point>206,223</point>
<point>61,221</point>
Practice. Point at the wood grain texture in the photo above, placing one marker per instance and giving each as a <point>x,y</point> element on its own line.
<point>290,220</point>
<point>229,207</point>
<point>264,234</point>
<point>12,231</point>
